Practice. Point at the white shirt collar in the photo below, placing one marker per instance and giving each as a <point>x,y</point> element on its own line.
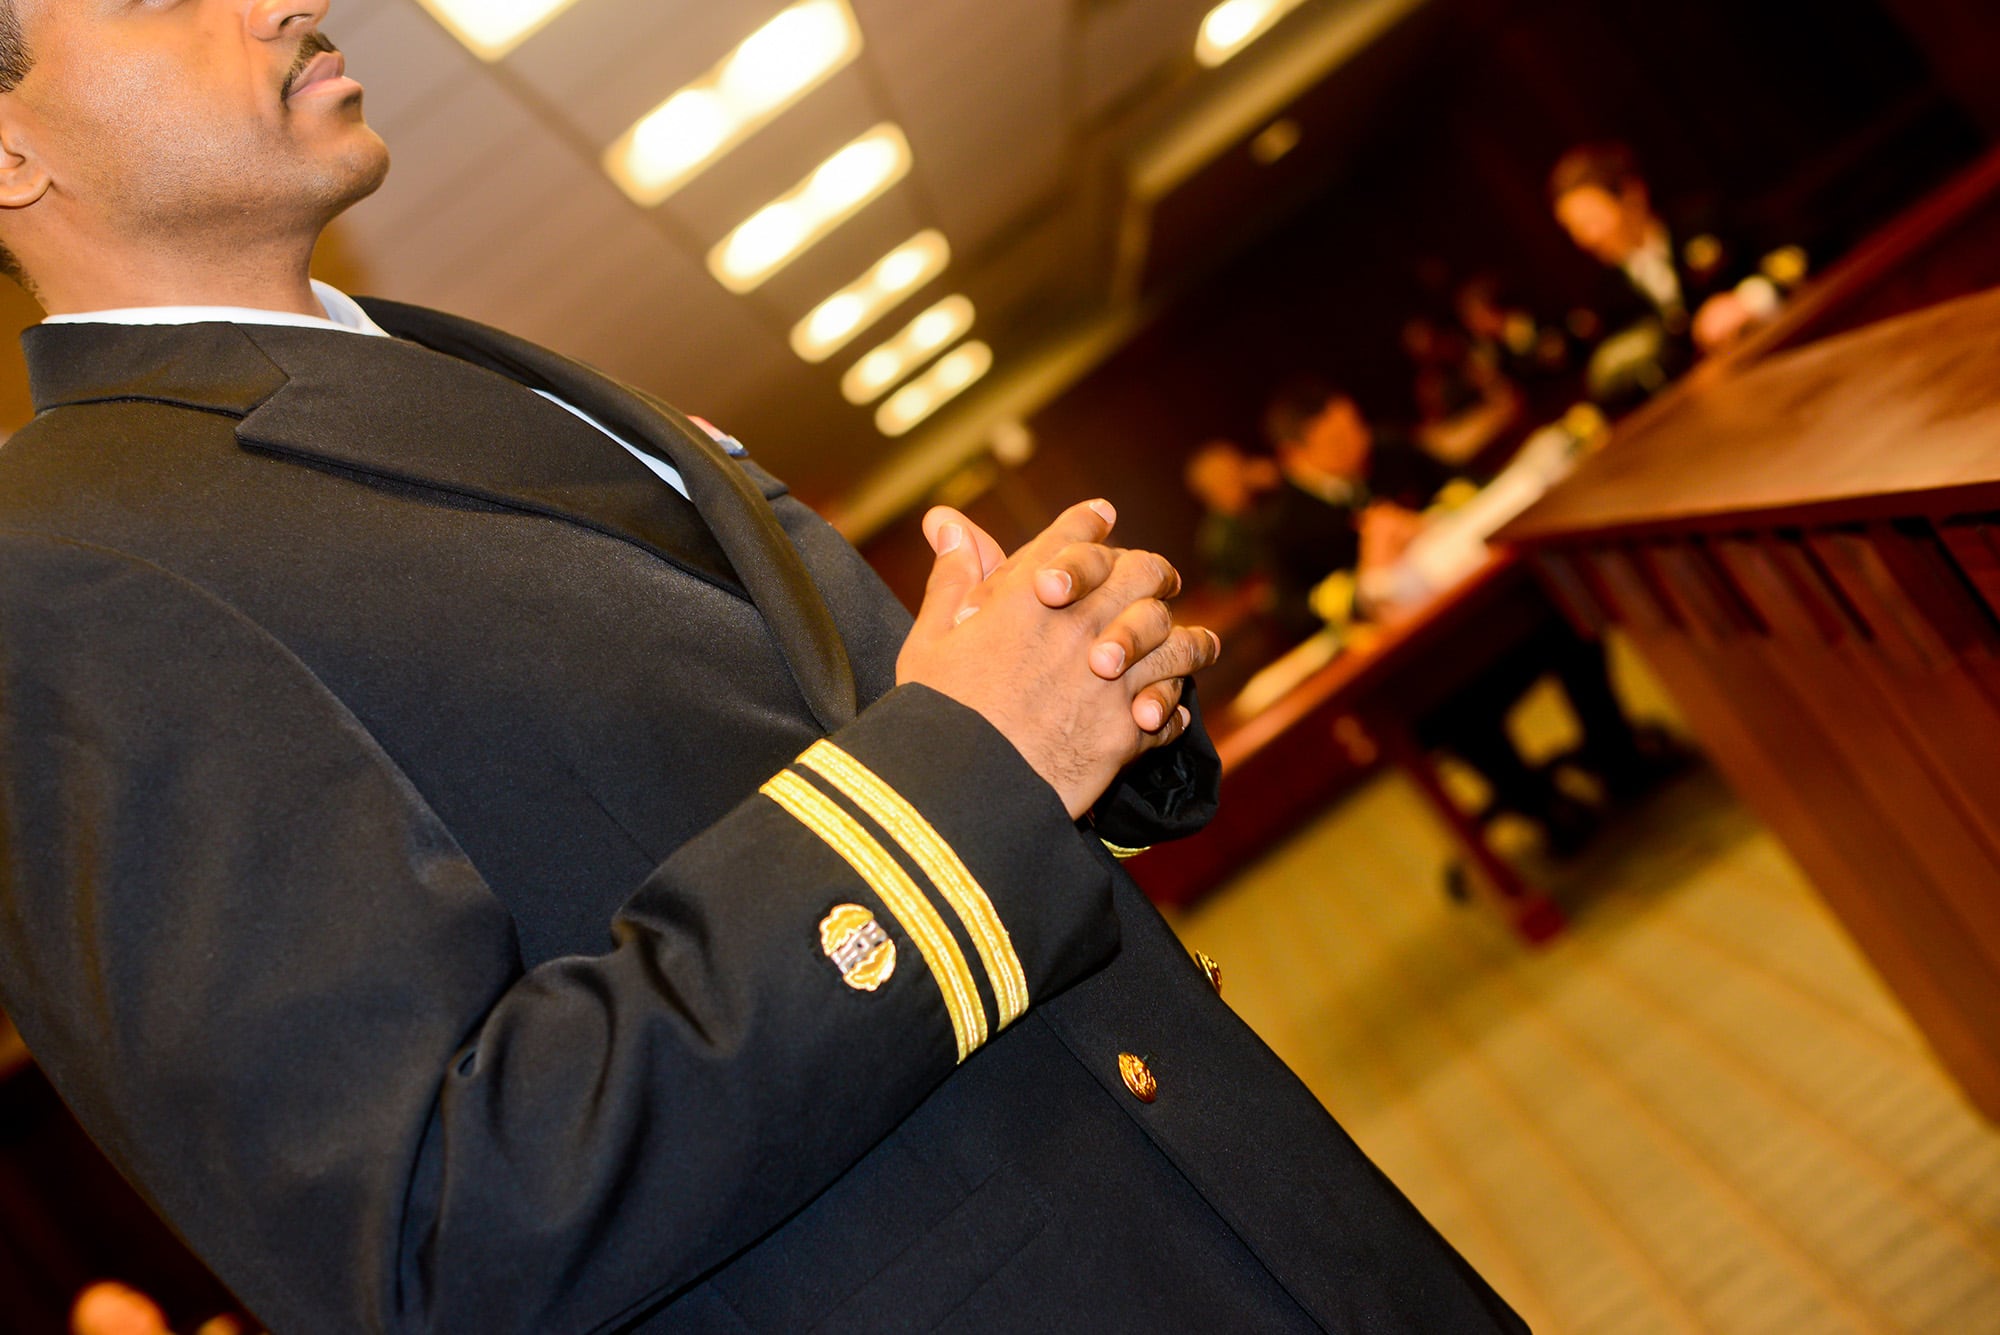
<point>1651,269</point>
<point>342,312</point>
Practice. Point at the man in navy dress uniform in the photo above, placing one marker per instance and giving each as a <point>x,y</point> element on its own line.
<point>481,857</point>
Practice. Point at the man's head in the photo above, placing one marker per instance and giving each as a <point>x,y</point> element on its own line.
<point>1318,429</point>
<point>1226,480</point>
<point>144,134</point>
<point>1479,307</point>
<point>1601,200</point>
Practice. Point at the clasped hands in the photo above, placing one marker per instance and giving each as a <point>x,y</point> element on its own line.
<point>1066,647</point>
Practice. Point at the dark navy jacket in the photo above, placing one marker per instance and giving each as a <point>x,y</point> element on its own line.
<point>418,830</point>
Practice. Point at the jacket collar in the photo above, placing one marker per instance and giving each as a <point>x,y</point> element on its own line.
<point>429,415</point>
<point>382,407</point>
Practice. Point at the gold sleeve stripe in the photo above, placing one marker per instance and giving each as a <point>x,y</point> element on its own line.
<point>939,861</point>
<point>886,877</point>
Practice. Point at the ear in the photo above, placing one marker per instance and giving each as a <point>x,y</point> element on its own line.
<point>23,177</point>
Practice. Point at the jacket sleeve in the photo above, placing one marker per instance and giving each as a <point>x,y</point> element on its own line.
<point>277,991</point>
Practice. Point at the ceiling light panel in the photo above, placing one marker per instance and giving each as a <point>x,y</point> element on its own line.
<point>788,226</point>
<point>1234,24</point>
<point>492,28</point>
<point>768,73</point>
<point>844,316</point>
<point>955,372</point>
<point>939,327</point>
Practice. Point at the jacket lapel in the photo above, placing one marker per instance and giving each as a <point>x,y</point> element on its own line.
<point>396,410</point>
<point>731,503</point>
<point>452,414</point>
<point>384,408</point>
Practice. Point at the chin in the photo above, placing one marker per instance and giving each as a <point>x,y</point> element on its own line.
<point>358,170</point>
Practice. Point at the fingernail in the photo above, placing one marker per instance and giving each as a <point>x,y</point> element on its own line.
<point>1062,578</point>
<point>965,614</point>
<point>1104,511</point>
<point>1151,716</point>
<point>1187,719</point>
<point>1109,658</point>
<point>949,537</point>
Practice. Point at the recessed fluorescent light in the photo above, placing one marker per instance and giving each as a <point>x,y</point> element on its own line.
<point>492,28</point>
<point>837,321</point>
<point>939,327</point>
<point>785,228</point>
<point>1234,24</point>
<point>955,372</point>
<point>775,66</point>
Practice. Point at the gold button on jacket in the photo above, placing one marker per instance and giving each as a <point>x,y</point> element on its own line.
<point>1211,968</point>
<point>1138,1078</point>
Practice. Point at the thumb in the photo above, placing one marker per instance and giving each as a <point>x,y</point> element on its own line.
<point>956,574</point>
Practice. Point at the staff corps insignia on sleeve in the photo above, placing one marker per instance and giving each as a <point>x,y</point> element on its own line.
<point>858,947</point>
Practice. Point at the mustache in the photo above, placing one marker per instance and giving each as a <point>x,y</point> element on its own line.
<point>316,43</point>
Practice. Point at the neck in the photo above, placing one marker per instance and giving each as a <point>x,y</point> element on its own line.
<point>271,274</point>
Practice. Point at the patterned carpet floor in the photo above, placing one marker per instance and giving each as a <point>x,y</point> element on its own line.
<point>1697,1111</point>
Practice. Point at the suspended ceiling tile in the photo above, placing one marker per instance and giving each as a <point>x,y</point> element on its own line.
<point>456,143</point>
<point>1051,258</point>
<point>640,309</point>
<point>1126,43</point>
<point>468,229</point>
<point>982,91</point>
<point>403,59</point>
<point>498,207</point>
<point>559,218</point>
<point>348,12</point>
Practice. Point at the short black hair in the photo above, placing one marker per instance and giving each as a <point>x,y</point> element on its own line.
<point>1295,404</point>
<point>15,62</point>
<point>1610,166</point>
<point>15,59</point>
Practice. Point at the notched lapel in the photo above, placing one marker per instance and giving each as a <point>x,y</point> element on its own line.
<point>403,412</point>
<point>453,409</point>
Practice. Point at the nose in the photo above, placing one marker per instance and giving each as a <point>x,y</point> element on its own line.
<point>273,19</point>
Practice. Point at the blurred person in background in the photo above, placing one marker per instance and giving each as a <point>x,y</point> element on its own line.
<point>1233,487</point>
<point>1466,402</point>
<point>67,1218</point>
<point>1354,500</point>
<point>1688,292</point>
<point>110,1308</point>
<point>1352,491</point>
<point>1506,335</point>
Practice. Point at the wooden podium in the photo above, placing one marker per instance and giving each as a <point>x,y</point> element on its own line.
<point>1808,553</point>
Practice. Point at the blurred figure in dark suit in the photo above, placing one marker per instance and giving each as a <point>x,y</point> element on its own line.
<point>1232,486</point>
<point>1507,336</point>
<point>1352,491</point>
<point>1467,404</point>
<point>1353,500</point>
<point>1687,291</point>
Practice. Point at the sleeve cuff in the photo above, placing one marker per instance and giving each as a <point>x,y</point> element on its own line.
<point>966,846</point>
<point>1165,794</point>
